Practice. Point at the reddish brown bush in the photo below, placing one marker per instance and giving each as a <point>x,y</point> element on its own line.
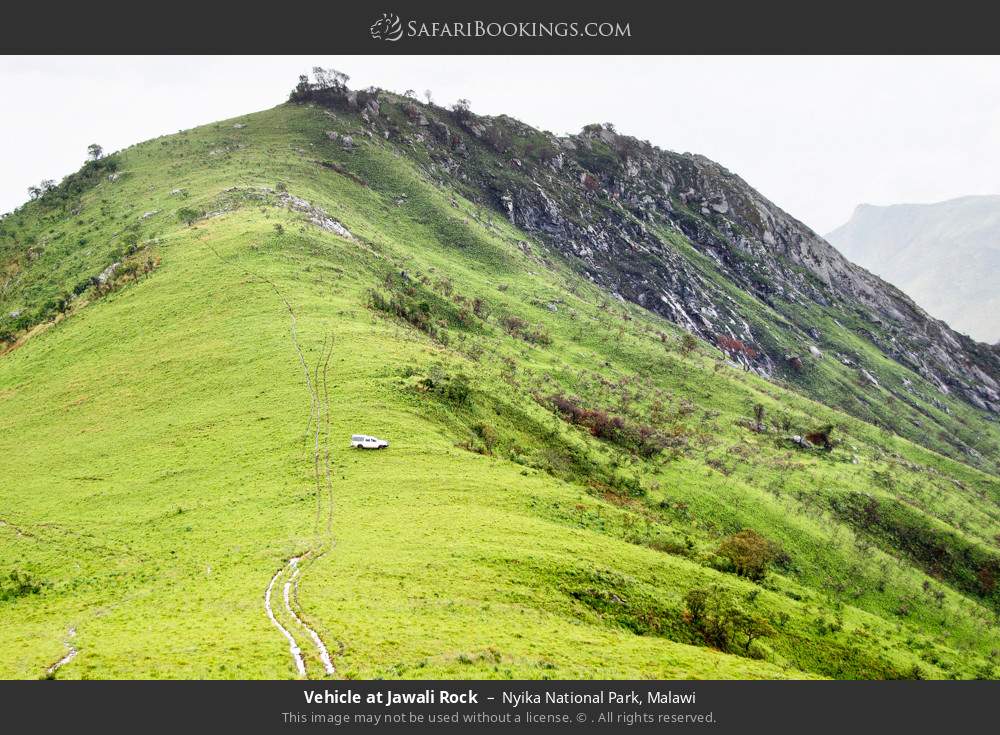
<point>734,347</point>
<point>640,438</point>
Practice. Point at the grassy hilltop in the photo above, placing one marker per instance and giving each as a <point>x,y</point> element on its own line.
<point>574,487</point>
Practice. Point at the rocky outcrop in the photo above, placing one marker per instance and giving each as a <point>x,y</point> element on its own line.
<point>683,237</point>
<point>626,247</point>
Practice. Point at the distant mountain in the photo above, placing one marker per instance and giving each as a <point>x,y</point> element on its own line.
<point>945,255</point>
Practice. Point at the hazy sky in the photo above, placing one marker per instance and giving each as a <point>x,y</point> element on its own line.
<point>818,135</point>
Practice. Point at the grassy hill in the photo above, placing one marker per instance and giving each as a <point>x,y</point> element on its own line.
<point>571,480</point>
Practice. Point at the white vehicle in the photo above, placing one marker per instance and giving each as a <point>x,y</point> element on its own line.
<point>363,441</point>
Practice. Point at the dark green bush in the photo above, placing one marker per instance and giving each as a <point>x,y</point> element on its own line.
<point>18,584</point>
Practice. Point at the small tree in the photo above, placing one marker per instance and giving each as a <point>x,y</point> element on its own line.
<point>187,215</point>
<point>429,97</point>
<point>94,151</point>
<point>303,88</point>
<point>750,553</point>
<point>721,621</point>
<point>696,603</point>
<point>751,626</point>
<point>329,78</point>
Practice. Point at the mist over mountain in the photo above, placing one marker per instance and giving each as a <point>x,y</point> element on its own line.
<point>945,255</point>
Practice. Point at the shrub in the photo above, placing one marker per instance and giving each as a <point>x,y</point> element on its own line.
<point>429,311</point>
<point>949,557</point>
<point>689,343</point>
<point>722,622</point>
<point>821,437</point>
<point>18,584</point>
<point>628,484</point>
<point>458,389</point>
<point>455,388</point>
<point>639,438</point>
<point>750,554</point>
<point>68,192</point>
<point>487,434</point>
<point>735,348</point>
<point>480,308</point>
<point>515,326</point>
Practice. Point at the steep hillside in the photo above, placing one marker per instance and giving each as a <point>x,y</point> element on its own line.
<point>945,255</point>
<point>685,238</point>
<point>575,486</point>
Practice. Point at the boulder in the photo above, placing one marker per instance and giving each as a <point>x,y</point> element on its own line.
<point>869,378</point>
<point>108,273</point>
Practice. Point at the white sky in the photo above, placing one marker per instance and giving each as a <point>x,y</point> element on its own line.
<point>817,135</point>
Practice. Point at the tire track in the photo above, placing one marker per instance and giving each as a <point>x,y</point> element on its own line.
<point>317,434</point>
<point>318,425</point>
<point>71,653</point>
<point>324,654</point>
<point>296,652</point>
<point>329,475</point>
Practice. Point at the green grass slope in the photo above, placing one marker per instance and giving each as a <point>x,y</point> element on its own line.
<point>175,435</point>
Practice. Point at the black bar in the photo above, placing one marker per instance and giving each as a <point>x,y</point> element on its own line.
<point>766,26</point>
<point>708,706</point>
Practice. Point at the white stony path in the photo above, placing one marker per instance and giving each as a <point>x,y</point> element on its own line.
<point>71,653</point>
<point>300,665</point>
<point>321,648</point>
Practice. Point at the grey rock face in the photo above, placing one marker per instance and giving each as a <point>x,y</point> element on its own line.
<point>746,239</point>
<point>108,273</point>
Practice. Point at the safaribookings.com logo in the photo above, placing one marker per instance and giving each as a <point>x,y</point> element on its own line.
<point>387,28</point>
<point>390,28</point>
